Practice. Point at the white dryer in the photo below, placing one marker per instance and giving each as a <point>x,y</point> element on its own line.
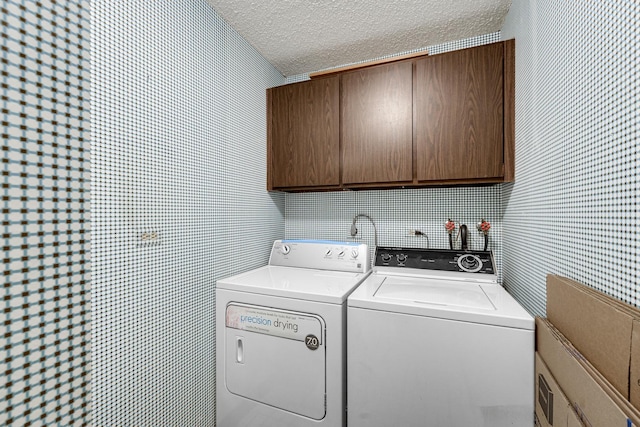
<point>281,336</point>
<point>436,341</point>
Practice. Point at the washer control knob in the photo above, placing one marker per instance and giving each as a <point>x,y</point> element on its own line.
<point>386,257</point>
<point>469,263</point>
<point>341,253</point>
<point>401,258</point>
<point>285,249</point>
<point>328,253</point>
<point>354,253</point>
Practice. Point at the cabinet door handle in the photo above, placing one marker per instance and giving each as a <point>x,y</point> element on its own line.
<point>239,350</point>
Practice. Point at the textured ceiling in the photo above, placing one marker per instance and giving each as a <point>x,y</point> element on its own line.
<point>300,36</point>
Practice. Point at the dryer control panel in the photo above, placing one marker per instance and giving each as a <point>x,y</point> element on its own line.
<point>321,255</point>
<point>436,259</point>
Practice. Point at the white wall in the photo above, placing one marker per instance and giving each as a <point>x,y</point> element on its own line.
<point>45,322</point>
<point>179,148</point>
<point>573,209</point>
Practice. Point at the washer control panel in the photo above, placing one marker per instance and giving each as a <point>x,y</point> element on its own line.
<point>321,255</point>
<point>436,259</point>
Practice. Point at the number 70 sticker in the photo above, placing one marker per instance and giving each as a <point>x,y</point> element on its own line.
<point>312,342</point>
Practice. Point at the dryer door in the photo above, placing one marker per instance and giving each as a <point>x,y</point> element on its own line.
<point>276,357</point>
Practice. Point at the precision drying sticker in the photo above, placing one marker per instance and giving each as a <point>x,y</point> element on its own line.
<point>277,323</point>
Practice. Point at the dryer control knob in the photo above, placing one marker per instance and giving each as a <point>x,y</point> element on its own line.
<point>354,253</point>
<point>285,249</point>
<point>328,252</point>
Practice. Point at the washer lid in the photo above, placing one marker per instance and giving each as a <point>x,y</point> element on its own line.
<point>439,292</point>
<point>300,283</point>
<point>476,302</point>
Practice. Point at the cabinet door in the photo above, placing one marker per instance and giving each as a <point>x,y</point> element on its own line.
<point>304,145</point>
<point>376,124</point>
<point>459,114</point>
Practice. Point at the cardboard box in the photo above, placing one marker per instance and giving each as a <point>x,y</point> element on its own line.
<point>634,369</point>
<point>605,330</point>
<point>596,402</point>
<point>552,407</point>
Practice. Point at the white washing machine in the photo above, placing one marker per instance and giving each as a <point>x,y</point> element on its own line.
<point>281,336</point>
<point>435,341</point>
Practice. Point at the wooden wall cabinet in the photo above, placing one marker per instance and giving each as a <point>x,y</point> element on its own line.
<point>376,124</point>
<point>459,116</point>
<point>303,143</point>
<point>436,120</point>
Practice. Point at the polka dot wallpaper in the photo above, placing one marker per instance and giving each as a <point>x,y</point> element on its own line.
<point>45,363</point>
<point>573,209</point>
<point>133,176</point>
<point>179,200</point>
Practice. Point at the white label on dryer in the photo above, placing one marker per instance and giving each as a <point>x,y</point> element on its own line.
<point>278,323</point>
